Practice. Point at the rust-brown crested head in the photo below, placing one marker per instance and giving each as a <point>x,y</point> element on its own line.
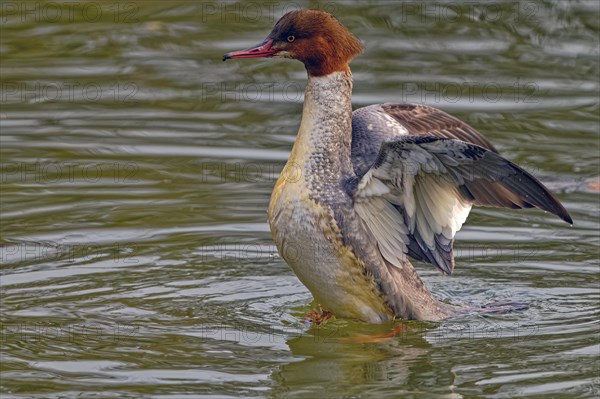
<point>314,37</point>
<point>317,39</point>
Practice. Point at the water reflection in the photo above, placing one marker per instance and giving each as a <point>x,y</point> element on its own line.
<point>338,360</point>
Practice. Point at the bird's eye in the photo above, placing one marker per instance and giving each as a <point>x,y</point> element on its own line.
<point>291,38</point>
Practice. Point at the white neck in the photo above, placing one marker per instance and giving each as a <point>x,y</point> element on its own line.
<point>324,139</point>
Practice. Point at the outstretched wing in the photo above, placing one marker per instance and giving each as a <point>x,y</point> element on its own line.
<point>419,191</point>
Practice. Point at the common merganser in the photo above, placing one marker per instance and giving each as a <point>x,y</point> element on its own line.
<point>378,185</point>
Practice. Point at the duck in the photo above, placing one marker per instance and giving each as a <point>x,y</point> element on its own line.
<point>377,187</point>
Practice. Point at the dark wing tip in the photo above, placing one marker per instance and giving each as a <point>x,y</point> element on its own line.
<point>567,218</point>
<point>504,184</point>
<point>447,271</point>
<point>441,256</point>
<point>541,196</point>
<point>555,207</point>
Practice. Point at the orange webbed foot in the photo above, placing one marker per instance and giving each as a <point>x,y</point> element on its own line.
<point>317,317</point>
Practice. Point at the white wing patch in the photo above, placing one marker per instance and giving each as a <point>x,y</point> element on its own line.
<point>440,209</point>
<point>410,195</point>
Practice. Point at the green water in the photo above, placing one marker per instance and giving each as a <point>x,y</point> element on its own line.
<point>137,169</point>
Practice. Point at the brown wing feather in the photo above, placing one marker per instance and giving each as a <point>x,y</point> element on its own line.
<point>423,120</point>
